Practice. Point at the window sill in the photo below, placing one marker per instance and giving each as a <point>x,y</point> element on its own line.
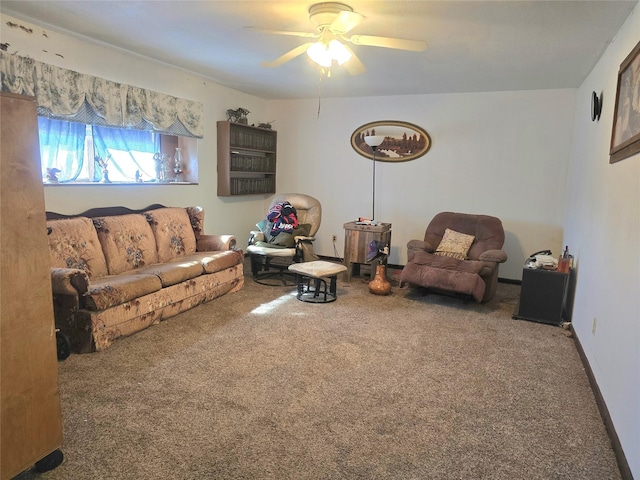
<point>119,184</point>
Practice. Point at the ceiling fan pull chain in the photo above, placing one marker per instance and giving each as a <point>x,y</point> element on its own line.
<point>319,91</point>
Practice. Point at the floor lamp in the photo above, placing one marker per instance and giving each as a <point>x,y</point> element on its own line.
<point>374,141</point>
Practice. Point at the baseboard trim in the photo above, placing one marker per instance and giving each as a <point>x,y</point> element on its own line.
<point>623,465</point>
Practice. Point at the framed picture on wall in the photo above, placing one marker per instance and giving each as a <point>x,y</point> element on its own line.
<point>625,135</point>
<point>403,141</point>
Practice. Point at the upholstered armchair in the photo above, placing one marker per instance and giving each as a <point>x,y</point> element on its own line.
<point>460,253</point>
<point>271,256</point>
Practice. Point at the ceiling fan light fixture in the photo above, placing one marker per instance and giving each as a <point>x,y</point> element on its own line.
<point>319,53</point>
<point>333,20</point>
<point>339,52</point>
<point>324,54</point>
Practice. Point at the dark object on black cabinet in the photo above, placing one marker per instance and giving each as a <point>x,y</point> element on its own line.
<point>544,296</point>
<point>532,257</point>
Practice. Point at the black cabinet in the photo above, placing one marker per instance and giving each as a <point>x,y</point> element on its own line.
<point>544,296</point>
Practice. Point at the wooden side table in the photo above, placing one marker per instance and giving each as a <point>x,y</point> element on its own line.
<point>356,240</point>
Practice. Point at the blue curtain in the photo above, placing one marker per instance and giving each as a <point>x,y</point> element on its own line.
<point>105,138</point>
<point>61,148</point>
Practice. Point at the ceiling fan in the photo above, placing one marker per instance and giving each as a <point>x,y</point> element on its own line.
<point>333,21</point>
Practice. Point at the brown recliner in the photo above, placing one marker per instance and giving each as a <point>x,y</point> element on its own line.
<point>475,275</point>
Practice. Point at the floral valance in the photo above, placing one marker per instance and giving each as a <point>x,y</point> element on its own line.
<point>68,95</point>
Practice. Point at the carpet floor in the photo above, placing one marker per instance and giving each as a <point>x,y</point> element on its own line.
<point>258,385</point>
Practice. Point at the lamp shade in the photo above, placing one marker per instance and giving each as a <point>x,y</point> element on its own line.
<point>374,140</point>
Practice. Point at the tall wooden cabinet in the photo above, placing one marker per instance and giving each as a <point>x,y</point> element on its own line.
<point>30,422</point>
<point>246,159</point>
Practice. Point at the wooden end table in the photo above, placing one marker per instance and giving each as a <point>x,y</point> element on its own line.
<point>356,241</point>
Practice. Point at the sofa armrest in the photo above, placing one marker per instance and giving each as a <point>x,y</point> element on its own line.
<point>69,281</point>
<point>497,256</point>
<point>415,246</point>
<point>213,243</point>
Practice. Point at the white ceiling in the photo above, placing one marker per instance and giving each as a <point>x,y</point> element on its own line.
<point>474,46</point>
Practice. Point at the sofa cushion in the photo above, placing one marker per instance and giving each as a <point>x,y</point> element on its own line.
<point>173,272</point>
<point>213,262</point>
<point>196,217</point>
<point>127,242</point>
<point>73,243</point>
<point>454,244</point>
<point>173,233</point>
<point>111,290</point>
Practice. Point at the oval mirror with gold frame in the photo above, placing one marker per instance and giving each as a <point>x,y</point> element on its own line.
<point>403,141</point>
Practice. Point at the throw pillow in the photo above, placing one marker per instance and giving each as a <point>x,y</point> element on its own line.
<point>286,239</point>
<point>302,230</point>
<point>283,239</point>
<point>455,244</point>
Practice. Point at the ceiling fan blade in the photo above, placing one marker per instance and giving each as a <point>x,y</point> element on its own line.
<point>345,21</point>
<point>354,66</point>
<point>285,32</point>
<point>290,55</point>
<point>388,42</point>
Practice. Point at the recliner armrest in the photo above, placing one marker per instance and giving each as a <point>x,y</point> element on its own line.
<point>69,281</point>
<point>415,246</point>
<point>213,243</point>
<point>302,238</point>
<point>420,245</point>
<point>497,256</point>
<point>255,236</point>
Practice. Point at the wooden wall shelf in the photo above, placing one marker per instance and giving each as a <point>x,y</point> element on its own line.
<point>246,160</point>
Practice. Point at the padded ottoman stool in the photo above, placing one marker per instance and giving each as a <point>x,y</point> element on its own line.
<point>310,277</point>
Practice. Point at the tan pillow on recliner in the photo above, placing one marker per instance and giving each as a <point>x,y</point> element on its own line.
<point>455,244</point>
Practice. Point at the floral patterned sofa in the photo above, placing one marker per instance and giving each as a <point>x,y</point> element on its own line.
<point>117,271</point>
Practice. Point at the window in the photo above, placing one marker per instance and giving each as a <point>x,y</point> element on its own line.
<point>120,120</point>
<point>78,153</point>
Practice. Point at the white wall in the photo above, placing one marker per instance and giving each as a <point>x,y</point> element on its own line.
<point>602,226</point>
<point>222,215</point>
<point>502,154</point>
